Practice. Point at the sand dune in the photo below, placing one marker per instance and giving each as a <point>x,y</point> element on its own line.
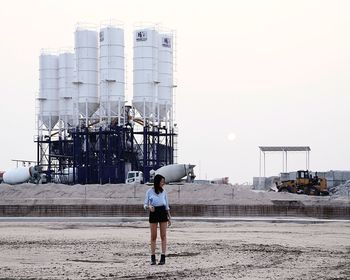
<point>134,194</point>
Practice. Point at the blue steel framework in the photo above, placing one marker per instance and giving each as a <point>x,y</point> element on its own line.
<point>156,149</point>
<point>100,156</point>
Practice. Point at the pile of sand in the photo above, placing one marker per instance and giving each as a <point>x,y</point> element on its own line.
<point>210,194</point>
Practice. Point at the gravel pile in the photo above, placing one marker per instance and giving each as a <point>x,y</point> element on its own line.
<point>340,190</point>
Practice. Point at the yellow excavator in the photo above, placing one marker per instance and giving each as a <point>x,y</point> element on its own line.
<point>304,184</point>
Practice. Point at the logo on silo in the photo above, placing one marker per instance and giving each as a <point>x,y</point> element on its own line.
<point>166,42</point>
<point>141,36</point>
<point>102,36</point>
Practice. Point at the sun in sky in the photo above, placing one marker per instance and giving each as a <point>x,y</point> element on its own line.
<point>231,136</point>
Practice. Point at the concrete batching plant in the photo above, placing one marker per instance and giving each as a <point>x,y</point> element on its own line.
<point>84,123</point>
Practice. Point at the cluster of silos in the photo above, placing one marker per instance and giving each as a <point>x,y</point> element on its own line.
<point>89,83</point>
<point>56,91</point>
<point>153,73</point>
<point>75,85</point>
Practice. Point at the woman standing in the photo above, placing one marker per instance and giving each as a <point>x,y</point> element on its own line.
<point>156,201</point>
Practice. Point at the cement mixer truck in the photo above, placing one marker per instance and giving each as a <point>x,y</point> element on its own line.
<point>171,173</point>
<point>21,175</point>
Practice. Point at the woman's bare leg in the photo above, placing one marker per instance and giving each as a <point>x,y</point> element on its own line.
<point>153,228</point>
<point>163,227</point>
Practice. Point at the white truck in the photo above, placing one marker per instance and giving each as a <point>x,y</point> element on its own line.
<point>134,177</point>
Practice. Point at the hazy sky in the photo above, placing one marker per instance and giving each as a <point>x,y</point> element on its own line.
<point>269,72</point>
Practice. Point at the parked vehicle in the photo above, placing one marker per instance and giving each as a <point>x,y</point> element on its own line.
<point>171,173</point>
<point>304,184</point>
<point>134,177</point>
<point>21,175</point>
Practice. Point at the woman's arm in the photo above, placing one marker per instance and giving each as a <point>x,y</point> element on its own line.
<point>166,202</point>
<point>168,209</point>
<point>145,202</point>
<point>169,218</point>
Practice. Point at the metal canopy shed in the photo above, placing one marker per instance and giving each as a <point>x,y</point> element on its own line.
<point>284,150</point>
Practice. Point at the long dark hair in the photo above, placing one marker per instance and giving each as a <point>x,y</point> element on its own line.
<point>156,183</point>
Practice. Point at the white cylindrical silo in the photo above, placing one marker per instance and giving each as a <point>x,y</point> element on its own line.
<point>165,75</point>
<point>48,90</point>
<point>66,87</point>
<point>86,70</point>
<point>112,70</point>
<point>145,71</point>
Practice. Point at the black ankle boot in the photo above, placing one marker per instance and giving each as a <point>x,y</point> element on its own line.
<point>162,259</point>
<point>153,259</point>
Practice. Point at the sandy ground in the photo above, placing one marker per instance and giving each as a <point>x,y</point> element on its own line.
<point>197,250</point>
<point>134,194</point>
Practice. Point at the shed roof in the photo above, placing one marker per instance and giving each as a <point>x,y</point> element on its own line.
<point>284,148</point>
